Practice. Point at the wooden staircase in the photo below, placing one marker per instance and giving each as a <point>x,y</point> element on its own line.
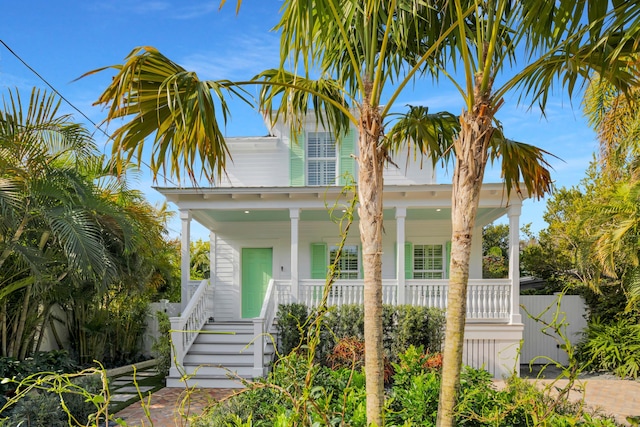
<point>221,353</point>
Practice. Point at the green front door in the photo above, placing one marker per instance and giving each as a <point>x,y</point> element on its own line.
<point>256,273</point>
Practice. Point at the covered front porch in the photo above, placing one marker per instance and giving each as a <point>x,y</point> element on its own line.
<point>273,235</point>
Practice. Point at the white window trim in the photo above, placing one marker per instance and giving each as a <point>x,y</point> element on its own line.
<point>442,271</point>
<point>336,158</point>
<point>355,272</point>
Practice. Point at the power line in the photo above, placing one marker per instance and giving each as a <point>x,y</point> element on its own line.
<point>57,92</point>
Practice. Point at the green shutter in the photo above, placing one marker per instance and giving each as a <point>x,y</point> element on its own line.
<point>319,261</point>
<point>447,248</point>
<point>360,261</point>
<point>408,260</point>
<point>296,162</point>
<point>347,162</point>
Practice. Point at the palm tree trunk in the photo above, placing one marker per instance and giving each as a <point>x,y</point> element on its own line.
<point>471,148</point>
<point>370,161</point>
<point>42,327</point>
<point>3,326</point>
<point>16,236</point>
<point>20,340</point>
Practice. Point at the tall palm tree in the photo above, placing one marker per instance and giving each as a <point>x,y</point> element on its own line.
<point>556,43</point>
<point>360,50</point>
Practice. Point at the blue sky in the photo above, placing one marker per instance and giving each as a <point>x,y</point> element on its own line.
<point>64,39</point>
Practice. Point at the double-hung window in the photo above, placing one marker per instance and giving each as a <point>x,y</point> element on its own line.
<point>321,158</point>
<point>348,262</point>
<point>428,262</point>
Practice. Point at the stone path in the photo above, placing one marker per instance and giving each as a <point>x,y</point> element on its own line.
<point>620,398</point>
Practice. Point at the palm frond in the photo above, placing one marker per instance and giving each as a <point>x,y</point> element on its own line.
<point>521,164</point>
<point>163,100</point>
<point>420,132</point>
<point>297,96</point>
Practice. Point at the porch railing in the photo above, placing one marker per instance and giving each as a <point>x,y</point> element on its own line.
<point>487,300</point>
<point>185,329</point>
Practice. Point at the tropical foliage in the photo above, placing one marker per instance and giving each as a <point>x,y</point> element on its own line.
<point>77,246</point>
<point>337,397</point>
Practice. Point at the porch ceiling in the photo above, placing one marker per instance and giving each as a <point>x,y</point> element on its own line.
<point>213,218</point>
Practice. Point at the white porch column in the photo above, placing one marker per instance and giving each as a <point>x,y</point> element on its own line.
<point>212,272</point>
<point>294,215</point>
<point>514,259</point>
<point>185,257</point>
<point>212,256</point>
<point>401,214</point>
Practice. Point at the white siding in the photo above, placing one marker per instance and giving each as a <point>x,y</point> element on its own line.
<point>409,171</point>
<point>226,293</point>
<point>265,162</point>
<point>257,162</point>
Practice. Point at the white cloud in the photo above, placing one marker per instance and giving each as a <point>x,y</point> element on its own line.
<point>241,57</point>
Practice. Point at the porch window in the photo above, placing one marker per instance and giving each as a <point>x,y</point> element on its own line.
<point>348,264</point>
<point>428,262</point>
<point>321,158</point>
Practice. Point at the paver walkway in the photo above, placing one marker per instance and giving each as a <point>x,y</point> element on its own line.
<point>620,398</point>
<point>171,407</point>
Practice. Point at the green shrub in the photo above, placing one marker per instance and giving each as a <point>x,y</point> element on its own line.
<point>403,326</point>
<point>43,406</point>
<point>291,321</point>
<point>56,361</point>
<point>38,410</point>
<point>612,347</point>
<point>161,348</point>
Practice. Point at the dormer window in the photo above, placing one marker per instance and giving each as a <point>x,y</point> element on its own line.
<point>322,158</point>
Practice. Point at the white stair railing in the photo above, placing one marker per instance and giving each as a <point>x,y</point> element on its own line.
<point>261,327</point>
<point>185,329</point>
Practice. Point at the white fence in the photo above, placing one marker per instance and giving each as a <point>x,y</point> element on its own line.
<point>543,346</point>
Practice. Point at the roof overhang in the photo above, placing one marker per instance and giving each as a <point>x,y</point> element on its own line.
<point>213,206</point>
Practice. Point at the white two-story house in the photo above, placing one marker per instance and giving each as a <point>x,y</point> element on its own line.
<point>272,238</point>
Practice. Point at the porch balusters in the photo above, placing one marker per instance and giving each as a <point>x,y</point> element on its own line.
<point>486,301</point>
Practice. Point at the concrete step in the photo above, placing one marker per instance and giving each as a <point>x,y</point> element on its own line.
<point>224,338</point>
<point>226,359</point>
<point>212,348</point>
<point>205,382</point>
<point>210,370</point>
<point>215,359</point>
<point>229,327</point>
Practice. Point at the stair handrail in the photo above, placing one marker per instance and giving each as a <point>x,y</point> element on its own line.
<point>185,329</point>
<point>261,325</point>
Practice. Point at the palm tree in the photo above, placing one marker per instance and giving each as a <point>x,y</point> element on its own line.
<point>47,234</point>
<point>555,42</point>
<point>355,67</point>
